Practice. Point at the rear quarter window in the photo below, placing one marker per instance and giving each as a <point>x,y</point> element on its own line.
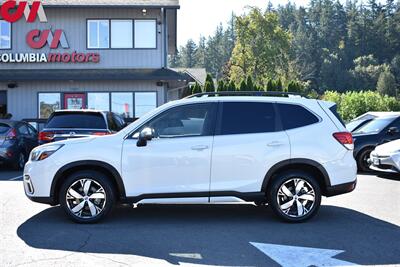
<point>295,116</point>
<point>77,121</point>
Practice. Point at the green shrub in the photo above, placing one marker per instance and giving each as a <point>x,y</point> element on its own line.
<point>353,104</point>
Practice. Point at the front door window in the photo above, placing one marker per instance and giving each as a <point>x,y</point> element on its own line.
<point>74,101</point>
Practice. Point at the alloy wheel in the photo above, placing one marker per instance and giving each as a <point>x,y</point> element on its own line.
<point>296,197</point>
<point>86,198</point>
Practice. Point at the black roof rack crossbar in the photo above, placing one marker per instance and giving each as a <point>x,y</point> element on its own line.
<point>247,93</point>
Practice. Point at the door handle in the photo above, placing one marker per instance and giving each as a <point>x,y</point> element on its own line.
<point>199,148</point>
<point>275,143</point>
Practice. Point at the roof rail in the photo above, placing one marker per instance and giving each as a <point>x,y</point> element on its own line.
<point>247,93</point>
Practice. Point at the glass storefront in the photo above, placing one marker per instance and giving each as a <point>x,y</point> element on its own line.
<point>126,104</point>
<point>48,103</point>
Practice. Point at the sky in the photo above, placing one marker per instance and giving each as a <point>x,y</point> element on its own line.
<point>201,17</point>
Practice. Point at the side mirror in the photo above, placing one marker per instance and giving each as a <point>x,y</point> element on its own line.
<point>147,134</point>
<point>393,130</point>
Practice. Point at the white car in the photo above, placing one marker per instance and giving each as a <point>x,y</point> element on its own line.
<point>386,157</point>
<point>284,151</point>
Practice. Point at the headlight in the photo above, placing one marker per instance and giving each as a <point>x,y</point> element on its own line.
<point>42,153</point>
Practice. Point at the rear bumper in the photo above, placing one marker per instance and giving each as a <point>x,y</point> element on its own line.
<point>340,189</point>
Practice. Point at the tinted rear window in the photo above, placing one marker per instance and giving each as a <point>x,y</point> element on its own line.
<point>295,116</point>
<point>4,128</point>
<point>245,118</point>
<point>77,121</point>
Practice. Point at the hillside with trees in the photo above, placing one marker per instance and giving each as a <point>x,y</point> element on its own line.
<point>324,46</point>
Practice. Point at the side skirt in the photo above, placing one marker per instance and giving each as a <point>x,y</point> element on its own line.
<point>249,197</point>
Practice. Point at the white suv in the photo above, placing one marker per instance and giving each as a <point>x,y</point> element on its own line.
<point>284,151</point>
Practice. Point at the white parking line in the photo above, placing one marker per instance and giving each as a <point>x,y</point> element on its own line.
<point>15,178</point>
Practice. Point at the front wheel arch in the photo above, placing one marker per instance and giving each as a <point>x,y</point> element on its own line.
<point>99,166</point>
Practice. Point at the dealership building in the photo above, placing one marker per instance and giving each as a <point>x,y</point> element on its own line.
<point>95,54</point>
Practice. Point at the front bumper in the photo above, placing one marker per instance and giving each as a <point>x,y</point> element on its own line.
<point>340,189</point>
<point>388,164</point>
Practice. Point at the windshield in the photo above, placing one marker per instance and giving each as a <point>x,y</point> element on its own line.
<point>375,126</point>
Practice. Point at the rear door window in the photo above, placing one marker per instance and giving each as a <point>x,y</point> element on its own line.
<point>295,116</point>
<point>23,130</point>
<point>77,121</point>
<point>247,118</point>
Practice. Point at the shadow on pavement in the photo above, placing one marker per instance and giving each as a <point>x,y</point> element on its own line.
<point>219,234</point>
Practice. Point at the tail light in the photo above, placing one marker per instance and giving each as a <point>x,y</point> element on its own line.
<point>46,136</point>
<point>12,135</point>
<point>346,139</point>
<point>101,133</point>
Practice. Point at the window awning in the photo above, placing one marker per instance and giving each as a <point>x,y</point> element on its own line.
<point>90,75</point>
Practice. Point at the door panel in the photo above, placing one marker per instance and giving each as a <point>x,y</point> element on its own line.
<point>167,165</point>
<point>178,159</point>
<point>240,162</point>
<point>248,142</point>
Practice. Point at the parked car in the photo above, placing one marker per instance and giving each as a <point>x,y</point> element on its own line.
<point>287,152</point>
<point>360,121</point>
<point>69,124</point>
<point>17,139</point>
<point>386,157</point>
<point>379,131</point>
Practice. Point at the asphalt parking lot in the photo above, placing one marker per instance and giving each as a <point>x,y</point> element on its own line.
<point>361,228</point>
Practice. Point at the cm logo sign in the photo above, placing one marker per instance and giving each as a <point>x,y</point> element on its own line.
<point>37,39</point>
<point>12,11</point>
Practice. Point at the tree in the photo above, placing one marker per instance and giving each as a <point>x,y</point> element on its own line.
<point>278,85</point>
<point>196,89</point>
<point>243,86</point>
<point>261,47</point>
<point>188,54</point>
<point>209,85</point>
<point>270,85</point>
<point>231,86</point>
<point>250,85</point>
<point>221,86</point>
<point>387,84</point>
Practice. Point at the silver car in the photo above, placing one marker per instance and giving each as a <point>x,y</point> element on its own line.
<point>386,157</point>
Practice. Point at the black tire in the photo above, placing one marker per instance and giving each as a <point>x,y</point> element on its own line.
<point>362,157</point>
<point>96,179</point>
<point>18,164</point>
<point>287,177</point>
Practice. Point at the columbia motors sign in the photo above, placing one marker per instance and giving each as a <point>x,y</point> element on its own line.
<point>13,11</point>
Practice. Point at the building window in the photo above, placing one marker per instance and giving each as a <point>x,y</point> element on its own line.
<point>145,34</point>
<point>121,34</point>
<point>145,102</point>
<point>98,33</point>
<point>48,103</point>
<point>5,35</point>
<point>99,101</point>
<point>122,104</point>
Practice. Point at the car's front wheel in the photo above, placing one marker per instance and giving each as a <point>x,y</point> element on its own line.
<point>87,196</point>
<point>294,196</point>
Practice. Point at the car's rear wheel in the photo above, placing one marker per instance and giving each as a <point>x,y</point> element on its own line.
<point>294,196</point>
<point>87,196</point>
<point>362,159</point>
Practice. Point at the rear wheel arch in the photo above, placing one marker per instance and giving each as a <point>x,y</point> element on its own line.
<point>99,166</point>
<point>304,165</point>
